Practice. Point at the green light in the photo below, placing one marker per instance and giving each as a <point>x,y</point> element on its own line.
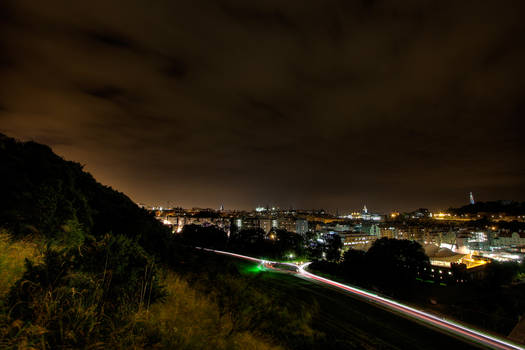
<point>252,269</point>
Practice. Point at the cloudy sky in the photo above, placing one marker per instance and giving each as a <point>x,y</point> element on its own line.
<point>333,104</point>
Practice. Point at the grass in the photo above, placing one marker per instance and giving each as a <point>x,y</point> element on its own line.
<point>188,319</point>
<point>185,319</point>
<point>12,260</point>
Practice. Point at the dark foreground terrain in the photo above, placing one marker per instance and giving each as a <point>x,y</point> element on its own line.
<point>353,324</point>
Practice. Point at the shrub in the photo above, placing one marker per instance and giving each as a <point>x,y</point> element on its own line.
<point>12,259</point>
<point>79,296</point>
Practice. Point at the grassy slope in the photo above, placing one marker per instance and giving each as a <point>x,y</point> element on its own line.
<point>189,320</point>
<point>12,260</point>
<point>186,319</point>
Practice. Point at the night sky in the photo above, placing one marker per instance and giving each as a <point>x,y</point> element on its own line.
<point>333,104</point>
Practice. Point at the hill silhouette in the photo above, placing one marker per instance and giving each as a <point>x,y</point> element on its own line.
<point>41,193</point>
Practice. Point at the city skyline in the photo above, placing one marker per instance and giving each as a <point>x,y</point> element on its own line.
<point>270,207</point>
<point>311,105</point>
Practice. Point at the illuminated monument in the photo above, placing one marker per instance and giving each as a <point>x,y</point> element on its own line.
<point>471,197</point>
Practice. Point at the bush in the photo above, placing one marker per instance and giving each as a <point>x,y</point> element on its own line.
<point>79,296</point>
<point>12,259</point>
<point>190,320</point>
<point>204,236</point>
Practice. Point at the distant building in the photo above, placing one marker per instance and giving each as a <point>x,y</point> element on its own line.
<point>371,229</point>
<point>287,223</point>
<point>361,241</point>
<point>266,225</point>
<point>388,232</point>
<point>421,213</point>
<point>247,223</point>
<point>364,215</point>
<point>301,226</point>
<point>507,239</point>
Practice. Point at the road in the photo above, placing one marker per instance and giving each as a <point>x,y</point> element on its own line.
<point>427,319</point>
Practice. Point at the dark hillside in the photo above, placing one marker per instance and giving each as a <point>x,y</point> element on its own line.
<point>501,206</point>
<point>41,193</point>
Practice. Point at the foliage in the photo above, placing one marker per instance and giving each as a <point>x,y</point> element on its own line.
<point>187,319</point>
<point>508,207</point>
<point>354,265</point>
<point>334,246</point>
<point>278,244</point>
<point>500,273</point>
<point>390,264</point>
<point>42,193</point>
<point>12,259</point>
<point>247,302</point>
<point>78,295</point>
<point>249,241</point>
<point>204,236</point>
<point>288,244</point>
<point>396,262</point>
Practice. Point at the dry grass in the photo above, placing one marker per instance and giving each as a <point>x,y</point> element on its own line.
<point>189,320</point>
<point>186,319</point>
<point>12,260</point>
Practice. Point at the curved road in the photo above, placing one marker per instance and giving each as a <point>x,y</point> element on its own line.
<point>421,316</point>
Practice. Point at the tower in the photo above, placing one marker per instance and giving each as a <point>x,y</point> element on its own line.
<point>365,210</point>
<point>471,197</point>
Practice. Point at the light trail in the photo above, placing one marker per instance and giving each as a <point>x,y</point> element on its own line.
<point>424,317</point>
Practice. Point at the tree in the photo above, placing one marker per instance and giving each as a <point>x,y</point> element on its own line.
<point>247,237</point>
<point>333,248</point>
<point>354,264</point>
<point>204,236</point>
<point>288,243</point>
<point>396,263</point>
<point>500,273</point>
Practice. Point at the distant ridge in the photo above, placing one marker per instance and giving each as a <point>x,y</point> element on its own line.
<point>499,206</point>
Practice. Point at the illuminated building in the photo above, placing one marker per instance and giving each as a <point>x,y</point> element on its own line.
<point>364,215</point>
<point>361,241</point>
<point>286,223</point>
<point>301,226</point>
<point>247,223</point>
<point>265,224</point>
<point>371,229</point>
<point>388,232</point>
<point>507,239</point>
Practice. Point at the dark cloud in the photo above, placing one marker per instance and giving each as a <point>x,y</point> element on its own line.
<point>104,92</point>
<point>312,104</point>
<point>175,68</point>
<point>110,39</point>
